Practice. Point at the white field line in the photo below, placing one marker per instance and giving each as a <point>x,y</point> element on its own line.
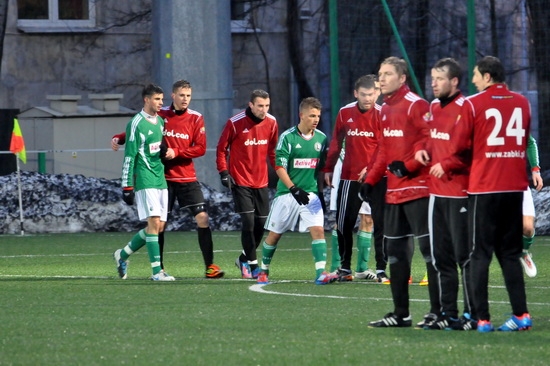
<point>261,289</point>
<point>254,287</point>
<point>58,277</point>
<point>115,277</point>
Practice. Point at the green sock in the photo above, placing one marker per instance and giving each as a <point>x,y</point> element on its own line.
<point>363,248</point>
<point>527,242</point>
<point>267,254</point>
<point>134,245</point>
<point>319,250</point>
<point>153,251</point>
<point>335,258</point>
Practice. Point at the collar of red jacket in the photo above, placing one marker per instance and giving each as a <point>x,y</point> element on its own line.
<point>500,86</point>
<point>397,96</point>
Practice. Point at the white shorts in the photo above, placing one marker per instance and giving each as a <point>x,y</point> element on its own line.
<point>365,209</point>
<point>285,212</point>
<point>337,172</point>
<point>152,202</point>
<point>528,204</point>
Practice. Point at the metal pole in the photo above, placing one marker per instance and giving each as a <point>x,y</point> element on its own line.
<point>402,47</point>
<point>471,24</point>
<point>334,61</point>
<point>20,196</point>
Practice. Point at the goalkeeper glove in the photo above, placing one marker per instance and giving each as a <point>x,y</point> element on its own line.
<point>398,168</point>
<point>128,195</point>
<point>301,196</point>
<point>227,180</point>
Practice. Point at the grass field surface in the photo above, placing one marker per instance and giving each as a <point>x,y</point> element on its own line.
<point>62,303</point>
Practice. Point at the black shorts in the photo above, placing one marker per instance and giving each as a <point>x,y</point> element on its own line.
<point>251,200</point>
<point>188,195</point>
<point>406,219</point>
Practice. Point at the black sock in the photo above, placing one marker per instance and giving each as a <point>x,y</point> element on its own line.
<point>249,246</point>
<point>206,245</point>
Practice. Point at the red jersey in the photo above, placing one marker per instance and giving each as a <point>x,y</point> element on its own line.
<point>185,134</point>
<point>493,128</point>
<point>454,183</point>
<point>403,120</point>
<point>243,148</point>
<point>361,131</point>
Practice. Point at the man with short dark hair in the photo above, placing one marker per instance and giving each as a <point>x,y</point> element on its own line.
<point>246,143</point>
<point>143,171</point>
<point>358,127</point>
<point>448,218</point>
<point>492,132</point>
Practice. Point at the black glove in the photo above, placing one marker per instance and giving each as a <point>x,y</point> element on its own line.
<point>227,180</point>
<point>163,150</point>
<point>301,196</point>
<point>397,167</point>
<point>128,195</point>
<point>365,192</point>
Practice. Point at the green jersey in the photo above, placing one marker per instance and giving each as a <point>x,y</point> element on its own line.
<point>142,153</point>
<point>302,158</point>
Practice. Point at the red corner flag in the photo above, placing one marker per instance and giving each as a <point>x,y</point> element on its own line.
<point>17,145</point>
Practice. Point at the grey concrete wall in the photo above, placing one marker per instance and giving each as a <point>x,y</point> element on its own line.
<point>115,59</point>
<point>193,42</point>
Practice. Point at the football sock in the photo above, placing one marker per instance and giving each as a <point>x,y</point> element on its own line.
<point>153,251</point>
<point>134,245</point>
<point>319,250</point>
<point>259,223</point>
<point>161,248</point>
<point>363,247</point>
<point>242,257</point>
<point>206,245</point>
<point>527,242</point>
<point>248,244</point>
<point>335,258</point>
<point>267,255</point>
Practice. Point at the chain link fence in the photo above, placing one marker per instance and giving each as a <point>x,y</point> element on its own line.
<point>431,30</point>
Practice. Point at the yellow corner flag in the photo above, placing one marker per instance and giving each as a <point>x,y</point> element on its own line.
<point>17,144</point>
